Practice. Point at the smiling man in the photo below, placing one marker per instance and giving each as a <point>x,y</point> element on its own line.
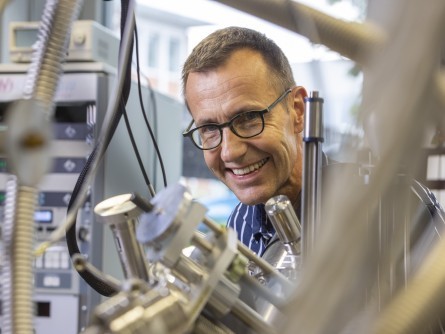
<point>247,118</point>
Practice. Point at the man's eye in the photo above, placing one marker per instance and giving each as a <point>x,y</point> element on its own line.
<point>208,130</point>
<point>251,117</point>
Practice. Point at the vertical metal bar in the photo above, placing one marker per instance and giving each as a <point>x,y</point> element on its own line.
<point>312,139</point>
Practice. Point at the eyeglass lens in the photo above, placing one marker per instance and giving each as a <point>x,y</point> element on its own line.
<point>244,125</point>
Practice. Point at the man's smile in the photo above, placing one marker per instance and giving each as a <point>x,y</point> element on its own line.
<point>249,169</point>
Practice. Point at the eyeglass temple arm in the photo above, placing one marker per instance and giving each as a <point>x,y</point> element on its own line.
<point>187,131</point>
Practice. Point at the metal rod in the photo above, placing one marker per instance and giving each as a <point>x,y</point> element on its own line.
<point>267,268</point>
<point>251,318</point>
<point>285,222</point>
<point>312,139</point>
<point>351,39</point>
<point>261,290</point>
<point>129,250</point>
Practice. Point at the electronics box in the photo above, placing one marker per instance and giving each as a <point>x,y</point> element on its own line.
<point>89,42</point>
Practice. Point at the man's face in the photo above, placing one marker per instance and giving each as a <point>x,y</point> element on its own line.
<point>257,168</point>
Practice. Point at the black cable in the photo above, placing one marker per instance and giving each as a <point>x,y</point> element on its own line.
<point>71,238</point>
<point>135,148</point>
<point>127,70</point>
<point>144,114</point>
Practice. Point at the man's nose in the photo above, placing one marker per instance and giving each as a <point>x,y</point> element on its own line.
<point>232,146</point>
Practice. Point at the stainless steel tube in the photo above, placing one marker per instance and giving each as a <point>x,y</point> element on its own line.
<point>312,139</point>
<point>285,222</point>
<point>121,213</point>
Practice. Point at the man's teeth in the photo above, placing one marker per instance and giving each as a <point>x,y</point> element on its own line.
<point>249,169</point>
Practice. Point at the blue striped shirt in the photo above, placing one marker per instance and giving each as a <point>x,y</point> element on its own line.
<point>252,225</point>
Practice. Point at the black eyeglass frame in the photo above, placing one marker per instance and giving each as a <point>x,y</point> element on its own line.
<point>189,133</point>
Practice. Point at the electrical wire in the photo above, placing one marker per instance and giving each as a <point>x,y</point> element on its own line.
<point>135,149</point>
<point>153,99</point>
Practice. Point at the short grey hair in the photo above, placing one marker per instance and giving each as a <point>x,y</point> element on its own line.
<point>214,50</point>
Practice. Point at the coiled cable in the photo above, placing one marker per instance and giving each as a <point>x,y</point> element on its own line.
<point>21,249</point>
<point>6,268</point>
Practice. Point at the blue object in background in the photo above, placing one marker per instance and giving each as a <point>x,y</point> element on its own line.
<point>220,208</point>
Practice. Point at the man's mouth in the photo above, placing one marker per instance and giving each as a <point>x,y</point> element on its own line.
<point>249,169</point>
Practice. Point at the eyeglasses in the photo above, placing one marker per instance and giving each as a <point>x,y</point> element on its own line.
<point>247,124</point>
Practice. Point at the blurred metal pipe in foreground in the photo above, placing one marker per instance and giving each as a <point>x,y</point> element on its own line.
<point>351,39</point>
<point>3,4</point>
<point>421,303</point>
<point>398,82</point>
<point>27,147</point>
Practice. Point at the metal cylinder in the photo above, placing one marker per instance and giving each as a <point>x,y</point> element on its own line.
<point>312,139</point>
<point>120,212</point>
<point>285,222</point>
<point>313,118</point>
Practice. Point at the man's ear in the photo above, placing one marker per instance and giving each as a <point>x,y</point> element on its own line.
<point>299,93</point>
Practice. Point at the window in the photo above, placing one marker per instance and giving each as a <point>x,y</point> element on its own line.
<point>174,51</point>
<point>153,50</point>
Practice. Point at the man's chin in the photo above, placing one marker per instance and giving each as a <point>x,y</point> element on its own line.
<point>252,198</point>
